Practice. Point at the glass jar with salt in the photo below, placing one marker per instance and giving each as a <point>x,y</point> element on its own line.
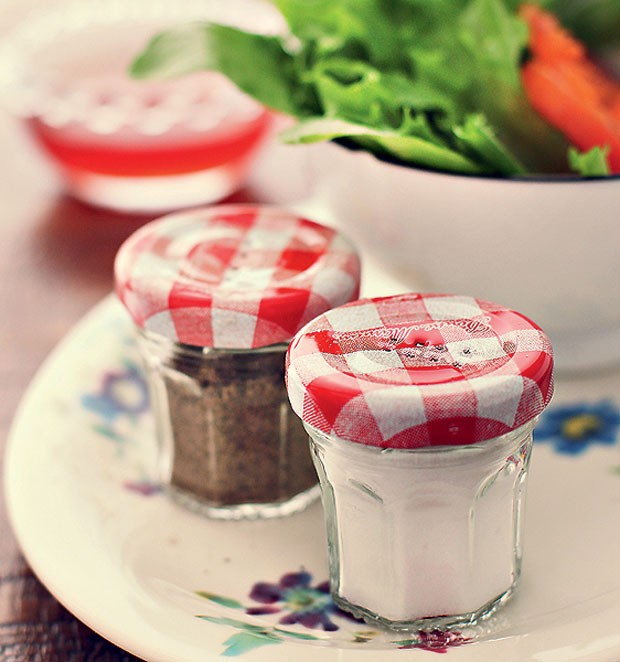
<point>420,410</point>
<point>216,294</point>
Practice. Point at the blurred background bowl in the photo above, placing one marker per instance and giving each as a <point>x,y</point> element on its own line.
<point>136,146</point>
<point>549,248</point>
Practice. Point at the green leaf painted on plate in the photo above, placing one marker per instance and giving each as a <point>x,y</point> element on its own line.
<point>222,600</point>
<point>364,636</point>
<point>107,431</point>
<point>251,637</point>
<point>242,642</point>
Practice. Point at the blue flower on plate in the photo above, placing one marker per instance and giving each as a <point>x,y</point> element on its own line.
<point>122,392</point>
<point>310,606</point>
<point>572,428</point>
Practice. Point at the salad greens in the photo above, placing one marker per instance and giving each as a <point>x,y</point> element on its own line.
<point>591,163</point>
<point>435,84</point>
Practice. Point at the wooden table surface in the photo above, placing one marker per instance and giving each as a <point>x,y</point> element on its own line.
<point>56,258</point>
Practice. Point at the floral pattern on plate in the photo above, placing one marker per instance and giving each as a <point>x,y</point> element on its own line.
<point>297,602</point>
<point>572,428</point>
<point>120,397</point>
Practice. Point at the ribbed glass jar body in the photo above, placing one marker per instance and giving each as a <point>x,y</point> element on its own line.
<point>229,445</point>
<point>428,537</point>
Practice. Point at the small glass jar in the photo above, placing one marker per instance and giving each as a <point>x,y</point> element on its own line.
<point>440,528</point>
<point>420,411</point>
<point>229,443</point>
<point>216,294</point>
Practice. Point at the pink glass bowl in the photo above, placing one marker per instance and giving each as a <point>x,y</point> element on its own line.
<point>137,146</point>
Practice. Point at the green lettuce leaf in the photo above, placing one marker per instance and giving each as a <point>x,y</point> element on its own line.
<point>478,137</point>
<point>259,64</point>
<point>592,163</point>
<point>420,150</point>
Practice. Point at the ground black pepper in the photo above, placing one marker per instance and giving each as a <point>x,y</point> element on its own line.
<point>234,438</point>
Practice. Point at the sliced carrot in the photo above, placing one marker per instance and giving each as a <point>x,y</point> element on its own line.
<point>568,89</point>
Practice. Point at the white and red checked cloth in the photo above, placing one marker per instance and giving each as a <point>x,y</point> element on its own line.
<point>234,276</point>
<point>417,370</point>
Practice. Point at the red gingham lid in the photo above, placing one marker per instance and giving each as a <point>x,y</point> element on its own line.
<point>233,276</point>
<point>419,370</point>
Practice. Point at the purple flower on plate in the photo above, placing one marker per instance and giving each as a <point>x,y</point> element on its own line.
<point>310,606</point>
<point>572,428</point>
<point>143,487</point>
<point>436,641</point>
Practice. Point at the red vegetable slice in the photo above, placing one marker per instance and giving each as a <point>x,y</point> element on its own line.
<point>568,89</point>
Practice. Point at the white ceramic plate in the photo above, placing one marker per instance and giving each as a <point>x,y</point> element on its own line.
<point>166,584</point>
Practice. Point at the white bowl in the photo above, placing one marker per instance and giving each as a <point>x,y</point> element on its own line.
<point>549,248</point>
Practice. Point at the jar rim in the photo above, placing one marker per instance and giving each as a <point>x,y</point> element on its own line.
<point>507,438</point>
<point>196,350</point>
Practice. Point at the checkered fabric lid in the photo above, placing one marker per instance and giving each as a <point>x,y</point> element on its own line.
<point>419,370</point>
<point>233,276</point>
